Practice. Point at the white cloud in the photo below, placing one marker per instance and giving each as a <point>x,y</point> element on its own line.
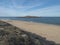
<point>48,11</point>
<point>10,12</point>
<point>7,12</point>
<point>21,6</point>
<point>15,9</point>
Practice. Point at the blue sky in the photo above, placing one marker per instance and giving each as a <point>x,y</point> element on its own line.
<point>30,7</point>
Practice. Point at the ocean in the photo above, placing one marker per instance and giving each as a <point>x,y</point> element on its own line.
<point>47,20</point>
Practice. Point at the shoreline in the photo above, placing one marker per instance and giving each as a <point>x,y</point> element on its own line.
<point>57,23</point>
<point>51,32</point>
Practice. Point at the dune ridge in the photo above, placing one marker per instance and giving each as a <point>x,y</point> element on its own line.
<point>51,32</point>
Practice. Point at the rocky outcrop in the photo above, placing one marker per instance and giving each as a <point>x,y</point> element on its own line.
<point>11,35</point>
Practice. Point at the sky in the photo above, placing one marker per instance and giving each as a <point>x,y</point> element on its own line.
<point>30,8</point>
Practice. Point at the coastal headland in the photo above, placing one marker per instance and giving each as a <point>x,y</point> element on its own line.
<point>51,32</point>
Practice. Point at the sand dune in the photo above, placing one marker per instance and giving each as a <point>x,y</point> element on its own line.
<point>51,32</point>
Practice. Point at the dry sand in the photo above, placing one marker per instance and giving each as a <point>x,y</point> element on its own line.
<point>51,32</point>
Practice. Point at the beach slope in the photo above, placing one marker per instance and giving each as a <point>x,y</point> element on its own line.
<point>51,32</point>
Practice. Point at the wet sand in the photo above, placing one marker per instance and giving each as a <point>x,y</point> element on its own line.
<point>51,32</point>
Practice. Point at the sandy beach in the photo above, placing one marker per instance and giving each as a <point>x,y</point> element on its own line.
<point>51,32</point>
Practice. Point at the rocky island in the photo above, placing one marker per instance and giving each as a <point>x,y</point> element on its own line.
<point>30,17</point>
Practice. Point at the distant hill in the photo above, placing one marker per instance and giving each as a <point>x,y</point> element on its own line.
<point>30,17</point>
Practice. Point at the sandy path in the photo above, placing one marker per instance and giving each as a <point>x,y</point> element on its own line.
<point>51,32</point>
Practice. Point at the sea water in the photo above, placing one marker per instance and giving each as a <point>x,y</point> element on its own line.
<point>47,20</point>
